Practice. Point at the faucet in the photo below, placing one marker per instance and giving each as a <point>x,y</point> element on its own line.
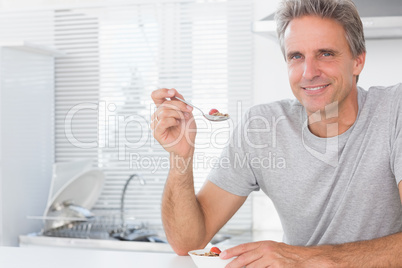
<point>123,196</point>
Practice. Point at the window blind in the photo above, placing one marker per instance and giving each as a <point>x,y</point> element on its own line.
<point>119,54</point>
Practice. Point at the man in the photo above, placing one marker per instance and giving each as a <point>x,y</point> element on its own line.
<point>338,196</point>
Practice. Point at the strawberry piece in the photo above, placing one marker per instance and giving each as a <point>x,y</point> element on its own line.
<point>213,111</point>
<point>215,250</point>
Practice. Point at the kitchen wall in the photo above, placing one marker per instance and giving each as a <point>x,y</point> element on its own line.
<point>270,84</point>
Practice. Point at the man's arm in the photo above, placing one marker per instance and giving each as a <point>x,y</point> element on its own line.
<point>400,190</point>
<point>380,252</point>
<point>190,221</point>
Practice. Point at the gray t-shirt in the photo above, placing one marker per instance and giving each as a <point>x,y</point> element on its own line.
<point>326,190</point>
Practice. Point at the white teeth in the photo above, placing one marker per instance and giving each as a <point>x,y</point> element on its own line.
<point>314,88</point>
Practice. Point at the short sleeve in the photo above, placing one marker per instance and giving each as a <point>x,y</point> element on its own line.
<point>396,132</point>
<point>233,172</point>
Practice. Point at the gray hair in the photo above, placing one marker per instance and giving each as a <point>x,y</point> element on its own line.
<point>343,11</point>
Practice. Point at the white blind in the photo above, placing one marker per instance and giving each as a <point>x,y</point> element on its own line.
<point>118,55</point>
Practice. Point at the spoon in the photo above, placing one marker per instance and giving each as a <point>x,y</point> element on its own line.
<point>207,116</point>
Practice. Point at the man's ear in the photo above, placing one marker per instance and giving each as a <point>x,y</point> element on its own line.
<point>359,63</point>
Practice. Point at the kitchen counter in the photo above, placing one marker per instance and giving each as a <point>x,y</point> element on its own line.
<point>33,240</point>
<point>43,257</point>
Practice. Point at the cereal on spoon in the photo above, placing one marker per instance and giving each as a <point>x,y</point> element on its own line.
<point>215,112</point>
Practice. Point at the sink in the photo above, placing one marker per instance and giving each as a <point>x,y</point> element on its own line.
<point>139,235</point>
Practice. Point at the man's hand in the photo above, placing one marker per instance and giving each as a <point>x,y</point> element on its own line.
<point>380,252</point>
<point>172,123</point>
<point>274,254</point>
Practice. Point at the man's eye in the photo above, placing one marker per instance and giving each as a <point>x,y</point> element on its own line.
<point>327,54</point>
<point>296,57</point>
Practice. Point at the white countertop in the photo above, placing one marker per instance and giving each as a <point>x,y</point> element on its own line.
<point>103,244</point>
<point>34,240</point>
<point>43,257</point>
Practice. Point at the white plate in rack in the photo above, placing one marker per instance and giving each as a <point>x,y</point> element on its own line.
<point>82,190</point>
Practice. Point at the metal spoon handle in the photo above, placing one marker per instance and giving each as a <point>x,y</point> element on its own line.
<point>189,103</point>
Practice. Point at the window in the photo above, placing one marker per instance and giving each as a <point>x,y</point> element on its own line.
<point>119,54</point>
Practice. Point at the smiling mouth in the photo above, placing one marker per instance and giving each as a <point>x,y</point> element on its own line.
<point>315,88</point>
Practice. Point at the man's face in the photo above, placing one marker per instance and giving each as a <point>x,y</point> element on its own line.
<point>321,67</point>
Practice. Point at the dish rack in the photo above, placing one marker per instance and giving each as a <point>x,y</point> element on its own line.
<point>97,227</point>
<point>102,227</point>
<point>74,190</point>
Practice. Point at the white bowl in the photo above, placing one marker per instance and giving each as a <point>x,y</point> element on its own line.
<point>208,261</point>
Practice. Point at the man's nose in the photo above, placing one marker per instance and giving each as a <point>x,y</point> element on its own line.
<point>311,69</point>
